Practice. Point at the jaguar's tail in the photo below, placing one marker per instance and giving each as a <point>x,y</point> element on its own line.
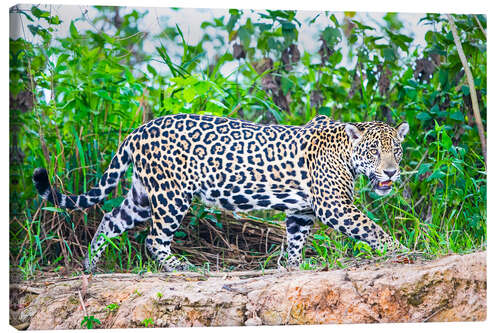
<point>107,183</point>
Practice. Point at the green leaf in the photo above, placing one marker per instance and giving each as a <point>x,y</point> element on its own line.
<point>180,234</point>
<point>218,104</point>
<point>325,110</point>
<point>211,218</point>
<point>423,116</point>
<point>202,87</point>
<point>332,36</point>
<point>61,59</point>
<point>443,76</point>
<point>33,29</point>
<point>286,84</point>
<point>244,36</point>
<point>289,31</point>
<point>73,32</point>
<point>362,26</point>
<point>176,70</point>
<point>109,241</point>
<point>429,37</point>
<point>93,53</point>
<point>319,237</point>
<point>334,20</point>
<point>446,140</point>
<point>264,26</point>
<point>335,58</point>
<point>112,203</point>
<point>54,209</point>
<point>457,115</point>
<point>104,94</point>
<point>465,90</point>
<point>424,167</point>
<point>26,15</point>
<point>231,23</point>
<point>37,12</point>
<point>55,20</point>
<point>388,54</point>
<point>438,174</point>
<point>434,109</point>
<point>189,94</point>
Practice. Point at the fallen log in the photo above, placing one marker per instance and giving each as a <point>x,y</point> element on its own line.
<point>452,288</point>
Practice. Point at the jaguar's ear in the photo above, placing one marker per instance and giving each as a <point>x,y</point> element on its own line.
<point>353,132</point>
<point>402,129</point>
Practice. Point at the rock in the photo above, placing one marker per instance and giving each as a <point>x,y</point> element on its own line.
<point>452,288</point>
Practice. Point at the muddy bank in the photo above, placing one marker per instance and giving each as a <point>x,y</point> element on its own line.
<point>452,288</point>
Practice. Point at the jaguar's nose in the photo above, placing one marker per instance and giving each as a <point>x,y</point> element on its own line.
<point>390,173</point>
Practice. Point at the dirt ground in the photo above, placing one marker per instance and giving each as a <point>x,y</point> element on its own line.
<point>452,288</point>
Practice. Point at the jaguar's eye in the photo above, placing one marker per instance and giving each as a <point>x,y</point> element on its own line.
<point>374,152</point>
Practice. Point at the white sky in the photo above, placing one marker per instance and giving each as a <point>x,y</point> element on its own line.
<point>189,21</point>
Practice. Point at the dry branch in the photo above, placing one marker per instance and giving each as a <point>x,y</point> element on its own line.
<point>245,243</point>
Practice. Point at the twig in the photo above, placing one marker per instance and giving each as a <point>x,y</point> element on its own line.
<point>208,224</point>
<point>85,284</point>
<point>417,167</point>
<point>419,201</point>
<point>480,26</point>
<point>472,87</point>
<point>81,302</point>
<point>281,255</point>
<point>236,109</point>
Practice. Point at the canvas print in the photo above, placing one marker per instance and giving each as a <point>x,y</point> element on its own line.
<point>176,167</point>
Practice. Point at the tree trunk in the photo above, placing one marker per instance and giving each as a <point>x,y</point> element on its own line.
<point>452,288</point>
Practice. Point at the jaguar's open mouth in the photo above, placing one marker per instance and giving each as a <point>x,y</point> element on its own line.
<point>383,187</point>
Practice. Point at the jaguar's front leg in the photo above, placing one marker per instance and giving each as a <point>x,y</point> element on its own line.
<point>343,216</point>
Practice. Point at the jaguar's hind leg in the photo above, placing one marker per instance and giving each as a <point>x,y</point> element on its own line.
<point>168,211</point>
<point>135,209</point>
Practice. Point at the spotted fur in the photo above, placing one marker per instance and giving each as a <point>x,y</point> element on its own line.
<point>307,171</point>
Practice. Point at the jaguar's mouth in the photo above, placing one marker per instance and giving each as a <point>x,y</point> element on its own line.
<point>382,187</point>
<point>385,185</point>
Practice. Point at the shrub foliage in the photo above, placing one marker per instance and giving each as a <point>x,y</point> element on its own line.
<point>74,98</point>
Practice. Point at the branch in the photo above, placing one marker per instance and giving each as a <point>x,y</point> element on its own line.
<point>480,26</point>
<point>82,303</point>
<point>472,87</point>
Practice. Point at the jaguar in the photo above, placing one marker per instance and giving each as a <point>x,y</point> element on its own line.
<point>306,171</point>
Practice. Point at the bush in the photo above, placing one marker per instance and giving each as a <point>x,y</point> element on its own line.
<point>74,98</point>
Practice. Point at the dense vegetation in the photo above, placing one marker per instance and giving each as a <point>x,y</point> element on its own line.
<point>74,98</point>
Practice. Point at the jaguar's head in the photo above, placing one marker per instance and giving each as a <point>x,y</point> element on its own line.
<point>377,152</point>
